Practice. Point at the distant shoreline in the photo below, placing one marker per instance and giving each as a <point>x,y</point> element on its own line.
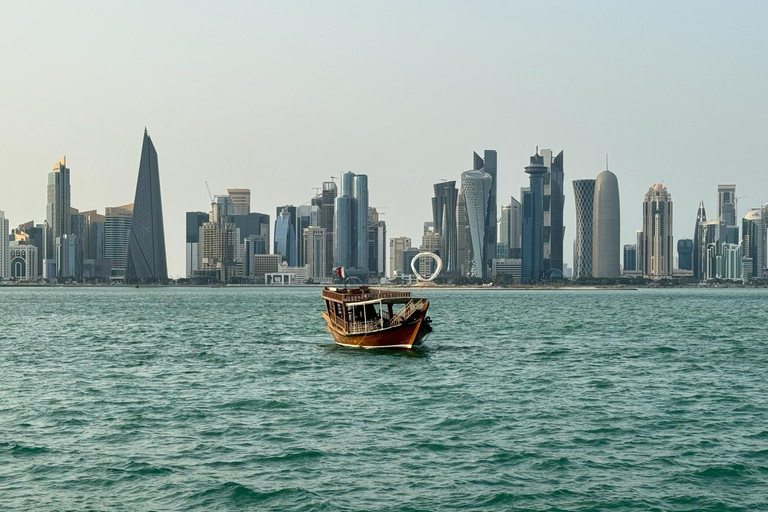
<point>426,286</point>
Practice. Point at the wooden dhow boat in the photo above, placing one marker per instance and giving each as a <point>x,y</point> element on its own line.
<point>364,317</point>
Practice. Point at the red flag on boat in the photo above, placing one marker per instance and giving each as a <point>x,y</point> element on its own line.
<point>341,273</point>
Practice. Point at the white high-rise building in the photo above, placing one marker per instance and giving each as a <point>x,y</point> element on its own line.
<point>397,246</point>
<point>476,190</point>
<point>5,255</point>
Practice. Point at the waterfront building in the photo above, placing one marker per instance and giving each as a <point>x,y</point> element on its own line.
<point>397,247</point>
<point>315,253</point>
<point>685,254</point>
<point>97,270</point>
<point>93,235</point>
<point>408,256</point>
<point>630,258</point>
<point>503,232</point>
<point>731,261</point>
<point>606,227</point>
<point>554,202</point>
<point>476,188</point>
<point>754,244</point>
<point>146,247</point>
<point>265,264</point>
<point>727,204</point>
<point>488,165</point>
<point>117,231</point>
<point>194,221</point>
<point>68,257</point>
<point>285,237</point>
<point>220,250</point>
<point>5,256</point>
<point>377,243</point>
<point>508,266</point>
<point>241,200</point>
<point>431,241</point>
<point>515,228</point>
<point>351,224</point>
<point>657,233</point>
<point>58,204</point>
<point>253,236</point>
<point>444,217</point>
<point>533,221</point>
<point>711,235</point>
<point>306,215</point>
<point>640,262</point>
<point>698,251</point>
<point>23,261</point>
<point>35,235</point>
<point>584,199</point>
<point>463,236</point>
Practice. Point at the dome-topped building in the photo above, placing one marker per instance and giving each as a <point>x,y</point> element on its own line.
<point>606,230</point>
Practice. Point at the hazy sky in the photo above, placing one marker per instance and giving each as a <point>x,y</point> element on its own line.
<point>279,96</point>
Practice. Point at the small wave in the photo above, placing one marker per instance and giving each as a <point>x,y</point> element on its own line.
<point>666,350</point>
<point>299,455</point>
<point>255,403</point>
<point>238,494</point>
<point>20,450</point>
<point>728,471</point>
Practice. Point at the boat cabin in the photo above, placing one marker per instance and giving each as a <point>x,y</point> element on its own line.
<point>363,309</point>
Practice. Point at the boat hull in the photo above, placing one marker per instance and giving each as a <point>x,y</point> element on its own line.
<point>401,337</point>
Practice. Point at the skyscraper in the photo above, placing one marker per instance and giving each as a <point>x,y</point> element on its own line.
<point>58,205</point>
<point>146,247</point>
<point>554,201</point>
<point>685,254</point>
<point>241,200</point>
<point>5,254</point>
<point>487,164</point>
<point>698,253</point>
<point>630,257</point>
<point>195,221</point>
<point>117,233</point>
<point>515,228</point>
<point>476,188</point>
<point>444,216</point>
<point>377,243</point>
<point>606,230</point>
<point>533,221</point>
<point>584,200</point>
<point>726,212</point>
<point>285,237</point>
<point>397,247</point>
<point>314,252</point>
<point>657,233</point>
<point>350,226</point>
<point>753,233</point>
<point>503,235</point>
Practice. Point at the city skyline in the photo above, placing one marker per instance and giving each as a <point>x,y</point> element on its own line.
<point>258,133</point>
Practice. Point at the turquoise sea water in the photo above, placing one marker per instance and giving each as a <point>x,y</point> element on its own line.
<point>237,399</point>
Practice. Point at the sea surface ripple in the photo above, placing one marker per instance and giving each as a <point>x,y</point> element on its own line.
<point>237,399</point>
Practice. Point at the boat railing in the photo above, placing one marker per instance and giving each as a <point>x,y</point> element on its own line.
<point>364,327</point>
<point>360,297</point>
<point>411,307</point>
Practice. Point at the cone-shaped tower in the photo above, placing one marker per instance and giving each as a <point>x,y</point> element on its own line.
<point>146,245</point>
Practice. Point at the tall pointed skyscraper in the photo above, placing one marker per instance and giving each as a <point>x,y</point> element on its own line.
<point>701,216</point>
<point>146,246</point>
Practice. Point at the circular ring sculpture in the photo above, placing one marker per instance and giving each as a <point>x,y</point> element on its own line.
<point>434,274</point>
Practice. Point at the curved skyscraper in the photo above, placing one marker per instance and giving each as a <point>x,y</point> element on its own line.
<point>606,227</point>
<point>584,199</point>
<point>476,188</point>
<point>146,246</point>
